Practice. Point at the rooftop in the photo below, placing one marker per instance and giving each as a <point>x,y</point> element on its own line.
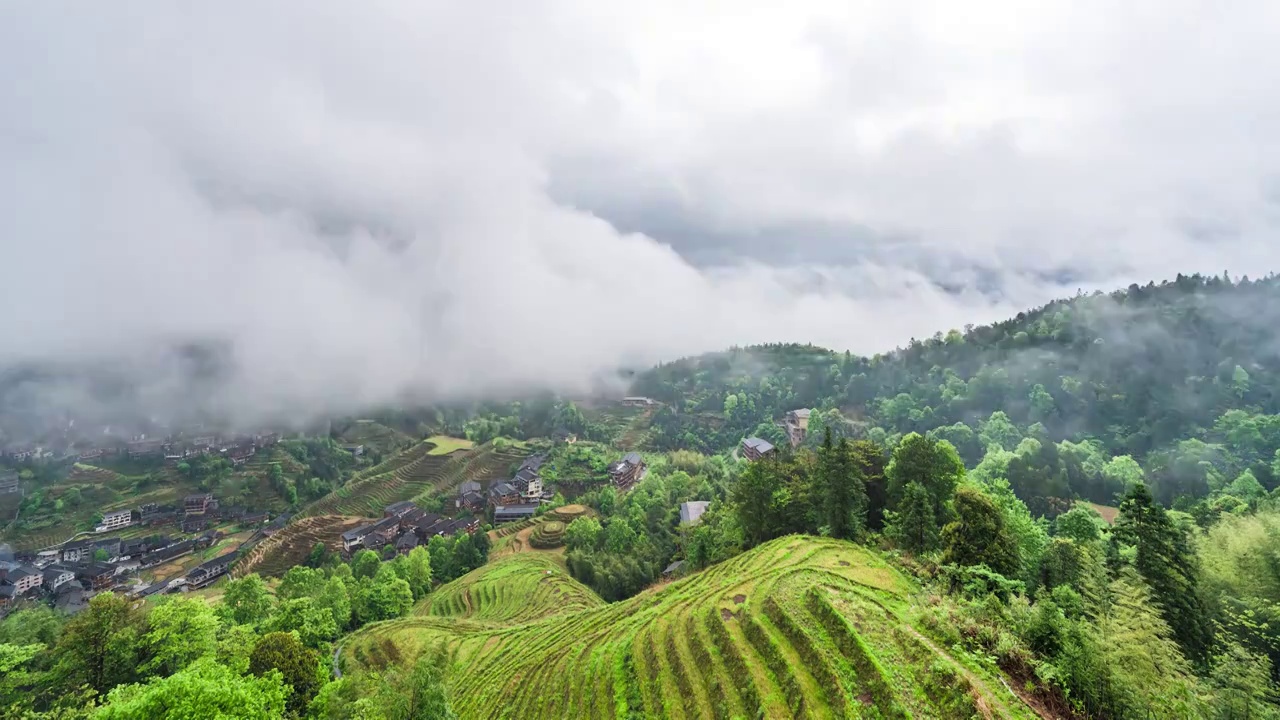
<point>357,533</point>
<point>518,509</point>
<point>760,446</point>
<point>691,512</point>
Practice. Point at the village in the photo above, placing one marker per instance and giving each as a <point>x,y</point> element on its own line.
<point>157,548</point>
<point>155,555</point>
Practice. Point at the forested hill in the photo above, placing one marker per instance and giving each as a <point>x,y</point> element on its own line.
<point>1139,371</point>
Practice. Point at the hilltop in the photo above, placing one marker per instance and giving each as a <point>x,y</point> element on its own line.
<point>797,627</point>
<point>1136,369</point>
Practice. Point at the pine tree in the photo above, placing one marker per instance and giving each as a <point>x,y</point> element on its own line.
<point>914,525</point>
<point>1165,560</point>
<point>842,492</point>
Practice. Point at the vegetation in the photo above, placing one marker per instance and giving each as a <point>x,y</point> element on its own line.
<point>1073,513</point>
<point>759,635</point>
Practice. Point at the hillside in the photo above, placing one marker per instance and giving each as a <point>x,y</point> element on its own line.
<point>1136,368</point>
<point>516,589</point>
<point>1136,372</point>
<point>798,627</point>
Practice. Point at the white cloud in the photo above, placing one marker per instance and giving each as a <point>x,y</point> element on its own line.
<point>369,200</point>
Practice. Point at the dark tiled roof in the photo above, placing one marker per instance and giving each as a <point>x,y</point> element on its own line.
<point>357,533</point>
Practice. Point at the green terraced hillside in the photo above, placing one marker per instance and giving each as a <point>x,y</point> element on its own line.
<point>799,627</point>
<point>516,589</point>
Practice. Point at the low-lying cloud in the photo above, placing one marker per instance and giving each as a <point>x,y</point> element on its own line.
<point>355,204</point>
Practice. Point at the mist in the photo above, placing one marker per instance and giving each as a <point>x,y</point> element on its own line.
<point>347,206</point>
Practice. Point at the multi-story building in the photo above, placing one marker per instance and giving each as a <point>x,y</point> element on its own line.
<point>627,471</point>
<point>797,424</point>
<point>115,520</point>
<point>197,504</point>
<point>753,448</point>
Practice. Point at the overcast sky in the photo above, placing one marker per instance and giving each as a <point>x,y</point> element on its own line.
<point>360,199</point>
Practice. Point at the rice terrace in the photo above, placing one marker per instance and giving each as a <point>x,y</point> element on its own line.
<point>797,627</point>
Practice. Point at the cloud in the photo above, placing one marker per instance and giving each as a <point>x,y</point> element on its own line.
<point>354,205</point>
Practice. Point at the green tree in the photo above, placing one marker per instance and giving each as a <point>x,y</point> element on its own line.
<point>1122,473</point>
<point>299,582</point>
<point>281,653</point>
<point>914,525</point>
<point>313,623</point>
<point>385,597</point>
<point>365,564</point>
<point>758,497</point>
<point>39,625</point>
<point>246,600</point>
<point>871,463</point>
<point>582,534</point>
<point>619,536</point>
<point>418,571</point>
<point>931,464</point>
<point>336,598</point>
<point>1081,523</point>
<point>845,495</point>
<point>418,694</point>
<point>1000,431</point>
<point>183,630</point>
<point>1164,559</point>
<point>204,689</point>
<point>978,535</point>
<point>1042,403</point>
<point>1246,487</point>
<point>1063,563</point>
<point>1151,675</point>
<point>101,646</point>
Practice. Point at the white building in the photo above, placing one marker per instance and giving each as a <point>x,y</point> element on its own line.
<point>115,520</point>
<point>534,491</point>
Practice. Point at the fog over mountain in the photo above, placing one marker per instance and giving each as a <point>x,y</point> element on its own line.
<point>346,204</point>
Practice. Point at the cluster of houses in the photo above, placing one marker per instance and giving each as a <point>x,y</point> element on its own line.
<point>173,448</point>
<point>195,514</point>
<point>516,499</point>
<point>404,526</point>
<point>66,576</point>
<point>70,573</point>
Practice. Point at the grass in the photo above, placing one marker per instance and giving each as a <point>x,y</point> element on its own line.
<point>798,627</point>
<point>445,444</point>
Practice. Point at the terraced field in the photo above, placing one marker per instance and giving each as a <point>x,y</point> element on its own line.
<point>799,627</point>
<point>516,589</point>
<point>289,547</point>
<point>412,474</point>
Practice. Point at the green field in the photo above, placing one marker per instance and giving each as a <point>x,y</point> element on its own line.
<point>798,627</point>
<point>445,444</point>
